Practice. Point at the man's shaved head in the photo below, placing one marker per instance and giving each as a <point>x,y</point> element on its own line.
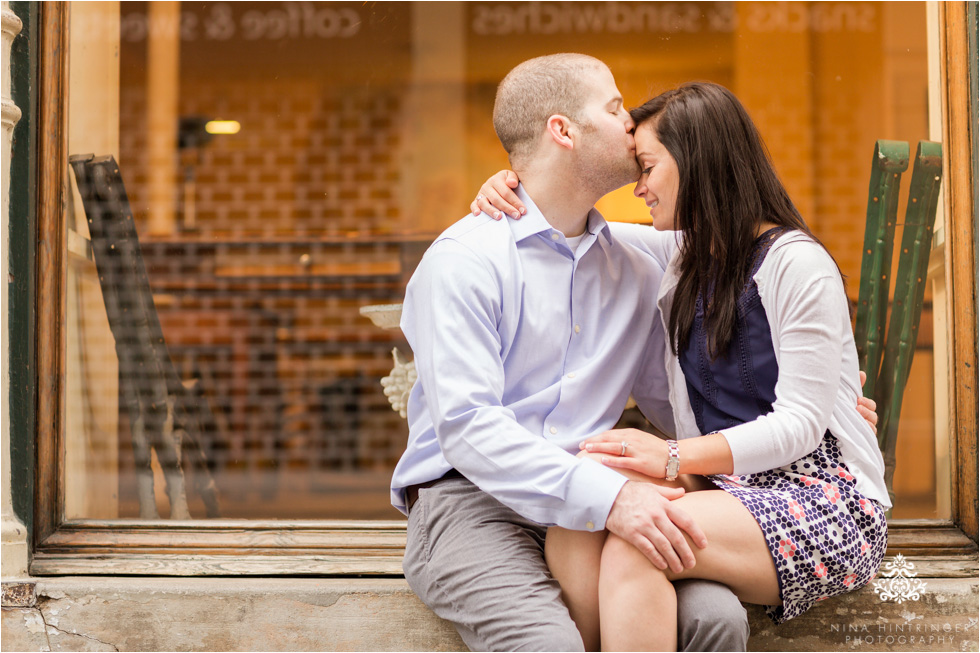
<point>536,90</point>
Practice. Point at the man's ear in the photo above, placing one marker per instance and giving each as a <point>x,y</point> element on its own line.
<point>559,128</point>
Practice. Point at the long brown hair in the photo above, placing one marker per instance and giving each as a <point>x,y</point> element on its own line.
<point>727,188</point>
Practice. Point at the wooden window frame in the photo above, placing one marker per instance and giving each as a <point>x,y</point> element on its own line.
<point>254,547</point>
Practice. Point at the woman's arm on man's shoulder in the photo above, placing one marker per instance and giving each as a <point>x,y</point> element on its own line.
<point>497,197</point>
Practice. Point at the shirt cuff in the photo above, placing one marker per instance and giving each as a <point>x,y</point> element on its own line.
<point>591,494</point>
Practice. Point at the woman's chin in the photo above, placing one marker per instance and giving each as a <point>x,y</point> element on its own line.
<point>660,223</point>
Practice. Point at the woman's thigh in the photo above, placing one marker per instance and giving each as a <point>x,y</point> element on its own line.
<point>737,554</point>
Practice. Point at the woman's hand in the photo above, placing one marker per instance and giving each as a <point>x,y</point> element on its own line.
<point>630,449</point>
<point>498,197</point>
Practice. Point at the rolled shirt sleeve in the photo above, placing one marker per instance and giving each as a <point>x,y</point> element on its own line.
<point>451,317</point>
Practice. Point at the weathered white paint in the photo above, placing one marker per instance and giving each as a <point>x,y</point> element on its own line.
<point>13,556</point>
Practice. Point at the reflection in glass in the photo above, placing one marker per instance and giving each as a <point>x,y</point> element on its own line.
<point>287,164</point>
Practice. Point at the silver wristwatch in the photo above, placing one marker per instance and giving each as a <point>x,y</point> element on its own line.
<point>673,460</point>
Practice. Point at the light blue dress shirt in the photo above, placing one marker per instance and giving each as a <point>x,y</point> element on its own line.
<point>523,349</point>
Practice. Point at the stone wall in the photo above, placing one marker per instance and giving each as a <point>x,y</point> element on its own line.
<point>160,614</point>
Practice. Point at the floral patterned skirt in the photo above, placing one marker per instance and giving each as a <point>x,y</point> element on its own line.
<point>825,537</point>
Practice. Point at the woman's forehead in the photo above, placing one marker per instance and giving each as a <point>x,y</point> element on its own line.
<point>646,139</point>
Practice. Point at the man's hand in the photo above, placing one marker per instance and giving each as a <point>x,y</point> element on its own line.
<point>644,516</point>
<point>866,407</point>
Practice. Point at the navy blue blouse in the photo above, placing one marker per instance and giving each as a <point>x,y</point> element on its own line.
<point>740,384</point>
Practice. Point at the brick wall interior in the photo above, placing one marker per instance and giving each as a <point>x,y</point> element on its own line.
<point>267,318</point>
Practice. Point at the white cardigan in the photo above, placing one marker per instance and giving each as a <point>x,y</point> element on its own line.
<point>817,387</point>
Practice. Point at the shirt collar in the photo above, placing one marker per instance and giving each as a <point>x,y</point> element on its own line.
<point>534,221</point>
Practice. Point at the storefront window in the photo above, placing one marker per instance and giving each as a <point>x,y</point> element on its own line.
<point>286,165</point>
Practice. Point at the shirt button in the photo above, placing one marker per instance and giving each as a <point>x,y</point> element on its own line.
<point>553,430</point>
<point>578,329</point>
<point>555,236</point>
<point>571,375</point>
<point>590,526</point>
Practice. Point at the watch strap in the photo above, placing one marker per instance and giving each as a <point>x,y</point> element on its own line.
<point>673,460</point>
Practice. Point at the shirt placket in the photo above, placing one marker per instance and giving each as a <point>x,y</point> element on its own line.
<point>569,375</point>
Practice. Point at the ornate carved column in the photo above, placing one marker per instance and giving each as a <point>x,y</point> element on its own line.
<point>14,533</point>
<point>398,384</point>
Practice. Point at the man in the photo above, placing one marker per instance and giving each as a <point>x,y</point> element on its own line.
<point>529,336</point>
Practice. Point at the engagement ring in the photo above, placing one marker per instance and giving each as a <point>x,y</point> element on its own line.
<point>623,444</point>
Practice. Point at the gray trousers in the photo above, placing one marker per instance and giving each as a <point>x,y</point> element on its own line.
<point>477,563</point>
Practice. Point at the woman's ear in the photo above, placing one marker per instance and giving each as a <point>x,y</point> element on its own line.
<point>558,128</point>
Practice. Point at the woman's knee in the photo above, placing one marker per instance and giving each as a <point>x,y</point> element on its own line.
<point>622,562</point>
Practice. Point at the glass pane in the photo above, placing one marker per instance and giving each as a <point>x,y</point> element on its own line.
<point>286,165</point>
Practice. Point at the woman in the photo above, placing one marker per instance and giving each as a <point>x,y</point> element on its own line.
<point>762,366</point>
